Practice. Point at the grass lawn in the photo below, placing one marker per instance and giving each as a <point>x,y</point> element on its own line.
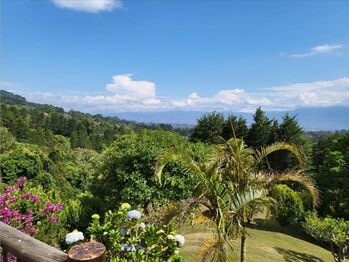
<point>265,243</point>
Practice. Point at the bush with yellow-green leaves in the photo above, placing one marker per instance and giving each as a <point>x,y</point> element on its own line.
<point>128,238</point>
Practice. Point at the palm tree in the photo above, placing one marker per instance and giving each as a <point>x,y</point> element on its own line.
<point>233,184</point>
<point>245,168</point>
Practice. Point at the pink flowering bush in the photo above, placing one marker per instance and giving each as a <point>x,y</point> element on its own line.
<point>27,208</point>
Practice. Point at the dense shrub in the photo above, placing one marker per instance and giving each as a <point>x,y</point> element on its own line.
<point>126,171</point>
<point>127,238</point>
<point>30,210</point>
<point>288,208</point>
<point>332,232</point>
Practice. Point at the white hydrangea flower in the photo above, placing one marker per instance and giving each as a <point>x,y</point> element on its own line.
<point>134,214</point>
<point>73,237</point>
<point>142,225</point>
<point>180,239</point>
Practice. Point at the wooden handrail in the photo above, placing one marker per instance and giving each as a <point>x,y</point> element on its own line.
<point>27,248</point>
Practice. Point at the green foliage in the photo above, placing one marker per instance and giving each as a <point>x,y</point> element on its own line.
<point>37,124</point>
<point>288,131</point>
<point>209,128</point>
<point>260,131</point>
<point>333,232</point>
<point>126,168</point>
<point>234,127</point>
<point>31,209</point>
<point>232,187</point>
<point>331,162</point>
<point>7,140</point>
<point>288,208</point>
<point>20,162</point>
<point>127,238</point>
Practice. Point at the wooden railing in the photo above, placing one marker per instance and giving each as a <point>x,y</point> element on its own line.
<point>27,248</point>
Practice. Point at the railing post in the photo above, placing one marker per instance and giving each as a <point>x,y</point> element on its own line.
<point>4,255</point>
<point>88,251</point>
<point>27,248</point>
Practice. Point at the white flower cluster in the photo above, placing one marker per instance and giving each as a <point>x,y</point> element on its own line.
<point>180,239</point>
<point>73,237</point>
<point>134,214</point>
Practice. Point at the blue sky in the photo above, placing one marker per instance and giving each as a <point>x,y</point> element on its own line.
<point>116,56</point>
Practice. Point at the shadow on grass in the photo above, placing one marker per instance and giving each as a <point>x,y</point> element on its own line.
<point>293,256</point>
<point>292,230</point>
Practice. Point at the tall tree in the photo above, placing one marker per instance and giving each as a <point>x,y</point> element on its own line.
<point>332,176</point>
<point>79,137</point>
<point>209,128</point>
<point>260,131</point>
<point>288,131</point>
<point>234,127</point>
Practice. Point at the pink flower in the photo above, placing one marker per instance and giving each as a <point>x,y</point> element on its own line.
<point>32,231</point>
<point>34,198</point>
<point>25,196</point>
<point>6,212</point>
<point>49,207</point>
<point>58,207</point>
<point>21,181</point>
<point>15,213</point>
<point>53,220</point>
<point>9,189</point>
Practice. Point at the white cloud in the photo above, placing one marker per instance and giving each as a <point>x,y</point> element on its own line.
<point>92,6</point>
<point>318,93</point>
<point>321,49</point>
<point>124,86</point>
<point>127,94</point>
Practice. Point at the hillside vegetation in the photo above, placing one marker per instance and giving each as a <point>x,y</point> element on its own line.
<point>62,171</point>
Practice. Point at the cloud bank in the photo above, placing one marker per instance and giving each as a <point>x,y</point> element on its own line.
<point>91,6</point>
<point>125,94</point>
<point>317,50</point>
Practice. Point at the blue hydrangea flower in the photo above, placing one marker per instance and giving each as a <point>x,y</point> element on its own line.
<point>180,239</point>
<point>128,248</point>
<point>134,214</point>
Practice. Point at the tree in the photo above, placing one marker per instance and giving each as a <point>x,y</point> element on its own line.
<point>209,128</point>
<point>7,140</point>
<point>245,168</point>
<point>79,137</point>
<point>260,131</point>
<point>234,127</point>
<point>288,208</point>
<point>332,232</point>
<point>233,186</point>
<point>125,171</point>
<point>331,161</point>
<point>288,131</point>
<point>20,162</point>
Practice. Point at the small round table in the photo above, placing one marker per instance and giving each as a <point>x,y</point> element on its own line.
<point>88,251</point>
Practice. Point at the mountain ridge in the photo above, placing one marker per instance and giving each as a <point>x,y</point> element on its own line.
<point>310,118</point>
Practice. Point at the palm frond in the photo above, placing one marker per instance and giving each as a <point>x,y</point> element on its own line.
<point>183,158</point>
<point>296,176</point>
<point>261,155</point>
<point>217,250</point>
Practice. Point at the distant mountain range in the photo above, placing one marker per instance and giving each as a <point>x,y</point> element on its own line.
<point>311,118</point>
